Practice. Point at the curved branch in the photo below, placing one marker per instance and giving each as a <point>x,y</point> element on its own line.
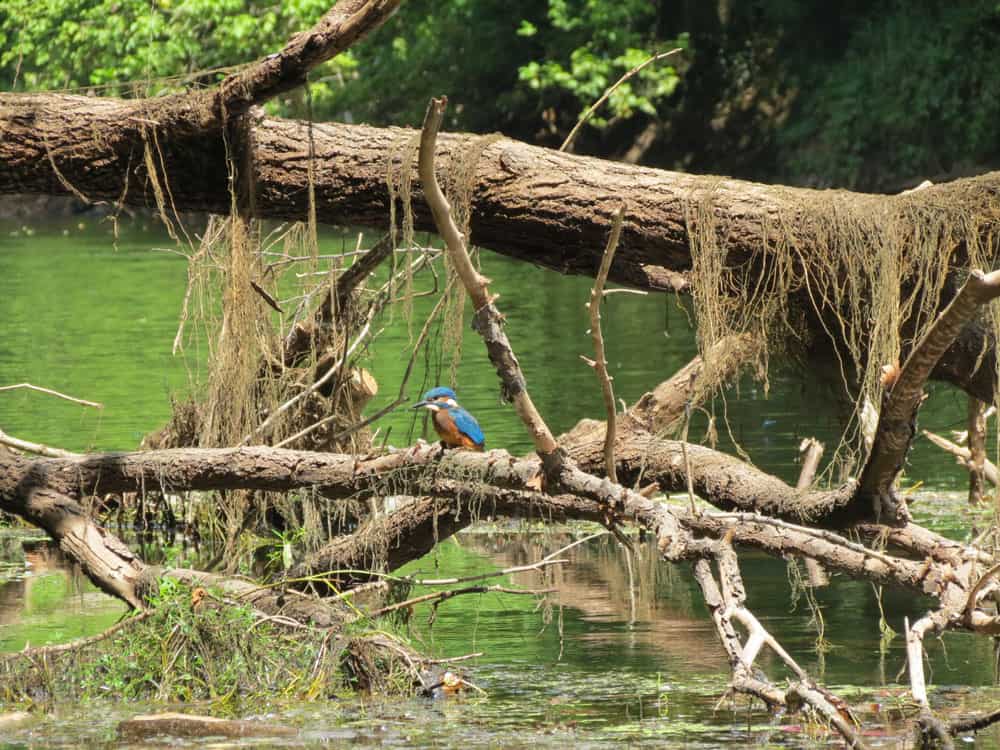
<point>340,27</point>
<point>600,362</point>
<point>896,421</point>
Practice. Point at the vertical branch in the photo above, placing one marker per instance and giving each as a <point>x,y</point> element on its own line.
<point>558,470</point>
<point>726,600</point>
<point>977,449</point>
<point>600,362</point>
<point>487,318</point>
<point>811,451</point>
<point>915,657</point>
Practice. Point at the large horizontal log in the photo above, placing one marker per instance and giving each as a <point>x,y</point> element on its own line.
<point>42,493</point>
<point>534,204</point>
<point>46,491</point>
<point>722,480</point>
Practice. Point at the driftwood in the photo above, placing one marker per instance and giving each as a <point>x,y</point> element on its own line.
<point>964,456</point>
<point>46,491</point>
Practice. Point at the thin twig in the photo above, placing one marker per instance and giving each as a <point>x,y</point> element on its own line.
<point>600,362</point>
<point>50,392</point>
<point>597,105</point>
<point>386,409</point>
<point>440,596</point>
<point>623,290</point>
<point>631,584</point>
<point>453,659</point>
<point>576,543</point>
<point>494,574</point>
<point>313,387</point>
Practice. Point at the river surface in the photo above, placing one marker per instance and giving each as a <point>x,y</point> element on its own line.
<point>96,319</point>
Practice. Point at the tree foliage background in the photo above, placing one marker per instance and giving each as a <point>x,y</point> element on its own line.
<point>866,94</point>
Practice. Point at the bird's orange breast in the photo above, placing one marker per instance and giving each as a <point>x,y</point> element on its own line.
<point>447,430</point>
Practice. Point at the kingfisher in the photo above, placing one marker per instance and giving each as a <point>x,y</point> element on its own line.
<point>453,424</point>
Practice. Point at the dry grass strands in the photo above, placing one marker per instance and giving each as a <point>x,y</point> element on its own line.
<point>876,267</point>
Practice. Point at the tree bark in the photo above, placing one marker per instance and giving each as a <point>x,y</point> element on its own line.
<point>27,491</point>
<point>530,203</point>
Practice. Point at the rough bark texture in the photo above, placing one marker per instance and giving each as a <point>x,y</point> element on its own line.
<point>531,203</point>
<point>976,426</point>
<point>897,419</point>
<point>48,496</point>
<point>26,490</point>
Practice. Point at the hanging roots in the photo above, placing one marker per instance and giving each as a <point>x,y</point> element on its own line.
<point>875,266</point>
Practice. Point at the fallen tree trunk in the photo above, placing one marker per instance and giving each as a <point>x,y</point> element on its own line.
<point>40,494</point>
<point>25,490</point>
<point>530,203</point>
<point>472,484</point>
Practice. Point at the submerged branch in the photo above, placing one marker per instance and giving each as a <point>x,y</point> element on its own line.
<point>438,597</point>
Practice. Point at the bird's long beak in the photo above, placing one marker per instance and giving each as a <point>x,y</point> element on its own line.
<point>419,405</point>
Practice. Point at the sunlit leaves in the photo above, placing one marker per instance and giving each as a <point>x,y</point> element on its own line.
<point>130,47</point>
<point>592,44</point>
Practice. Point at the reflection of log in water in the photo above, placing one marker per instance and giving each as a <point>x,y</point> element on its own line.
<point>669,613</point>
<point>12,596</point>
<point>42,559</point>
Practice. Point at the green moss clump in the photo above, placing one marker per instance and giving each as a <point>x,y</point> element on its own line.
<point>196,646</point>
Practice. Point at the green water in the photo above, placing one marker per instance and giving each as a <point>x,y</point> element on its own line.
<point>97,322</point>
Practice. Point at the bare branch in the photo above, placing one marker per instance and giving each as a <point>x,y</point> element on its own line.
<point>726,601</point>
<point>974,723</point>
<point>400,398</point>
<point>895,427</point>
<point>811,451</point>
<point>37,448</point>
<point>343,25</point>
<point>44,652</point>
<point>488,320</point>
<point>440,596</point>
<point>600,363</point>
<point>51,392</point>
<point>568,143</point>
<point>313,387</point>
<point>977,448</point>
<point>964,456</point>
